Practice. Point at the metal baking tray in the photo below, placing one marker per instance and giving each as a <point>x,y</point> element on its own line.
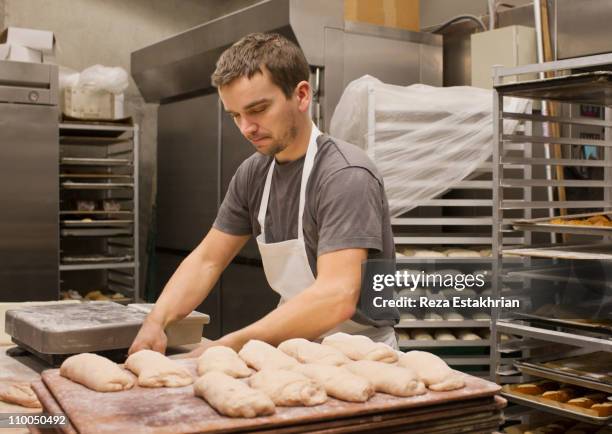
<point>412,343</point>
<point>538,369</point>
<point>544,225</point>
<point>446,324</point>
<point>95,185</point>
<point>596,327</point>
<point>95,223</point>
<point>95,212</point>
<point>585,88</point>
<point>95,161</point>
<point>94,259</point>
<point>602,252</point>
<point>552,408</point>
<point>95,232</point>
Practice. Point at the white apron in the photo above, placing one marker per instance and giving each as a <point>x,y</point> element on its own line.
<point>286,263</point>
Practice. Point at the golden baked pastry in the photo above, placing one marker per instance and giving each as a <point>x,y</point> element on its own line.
<point>604,409</point>
<point>557,395</point>
<point>529,389</point>
<point>583,402</point>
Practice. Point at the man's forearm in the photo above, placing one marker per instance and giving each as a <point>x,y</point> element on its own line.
<point>308,315</point>
<point>187,288</point>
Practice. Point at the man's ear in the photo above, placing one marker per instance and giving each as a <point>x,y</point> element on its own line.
<point>303,93</point>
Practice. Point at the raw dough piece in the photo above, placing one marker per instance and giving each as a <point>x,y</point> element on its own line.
<point>338,382</point>
<point>468,335</point>
<point>431,370</point>
<point>486,253</point>
<point>444,335</point>
<point>407,317</point>
<point>421,335</point>
<point>222,359</point>
<point>156,370</point>
<point>359,347</point>
<point>453,316</point>
<point>386,378</point>
<point>259,355</point>
<point>19,394</point>
<point>96,372</point>
<point>232,397</point>
<point>461,253</point>
<point>288,388</point>
<point>432,316</point>
<point>481,316</point>
<point>428,254</point>
<point>310,352</point>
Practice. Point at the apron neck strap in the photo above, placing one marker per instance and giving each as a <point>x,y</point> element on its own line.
<point>311,153</point>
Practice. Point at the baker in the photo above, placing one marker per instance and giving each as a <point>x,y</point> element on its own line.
<point>315,204</point>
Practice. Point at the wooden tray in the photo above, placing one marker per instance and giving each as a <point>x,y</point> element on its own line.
<point>178,410</point>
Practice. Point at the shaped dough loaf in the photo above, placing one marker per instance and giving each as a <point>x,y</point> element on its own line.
<point>259,355</point>
<point>310,352</point>
<point>338,382</point>
<point>358,347</point>
<point>96,372</point>
<point>20,394</point>
<point>288,388</point>
<point>431,370</point>
<point>156,370</point>
<point>222,359</point>
<point>387,378</point>
<point>232,397</point>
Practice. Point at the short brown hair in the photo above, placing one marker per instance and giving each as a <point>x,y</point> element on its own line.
<point>284,59</point>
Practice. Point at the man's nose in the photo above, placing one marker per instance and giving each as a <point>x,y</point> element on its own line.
<point>247,127</point>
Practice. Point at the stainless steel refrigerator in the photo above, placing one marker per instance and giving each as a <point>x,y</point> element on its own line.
<point>29,182</point>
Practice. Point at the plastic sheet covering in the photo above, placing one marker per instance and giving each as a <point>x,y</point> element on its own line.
<point>423,139</point>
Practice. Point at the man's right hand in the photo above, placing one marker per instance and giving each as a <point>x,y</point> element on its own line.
<point>151,336</point>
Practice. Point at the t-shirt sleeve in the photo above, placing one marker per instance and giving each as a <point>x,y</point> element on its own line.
<point>233,216</point>
<point>350,211</point>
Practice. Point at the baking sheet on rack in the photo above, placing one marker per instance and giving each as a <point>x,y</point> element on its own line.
<point>544,224</point>
<point>585,379</point>
<point>90,223</point>
<point>599,326</point>
<point>561,251</point>
<point>553,406</point>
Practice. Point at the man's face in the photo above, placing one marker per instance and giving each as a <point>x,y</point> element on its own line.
<point>261,111</point>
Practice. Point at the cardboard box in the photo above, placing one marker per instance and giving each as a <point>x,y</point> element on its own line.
<point>403,14</point>
<point>508,46</point>
<point>42,40</point>
<point>18,53</point>
<point>83,103</point>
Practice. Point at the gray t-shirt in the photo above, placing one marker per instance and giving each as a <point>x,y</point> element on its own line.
<point>346,206</point>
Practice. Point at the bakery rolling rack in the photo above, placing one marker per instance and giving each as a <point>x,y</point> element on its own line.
<point>563,281</point>
<point>99,226</point>
<point>461,218</point>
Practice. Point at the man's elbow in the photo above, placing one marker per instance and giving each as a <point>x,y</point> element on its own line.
<point>346,304</point>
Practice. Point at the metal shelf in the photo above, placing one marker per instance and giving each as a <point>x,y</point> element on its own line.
<point>106,266</point>
<point>111,147</point>
<point>445,324</point>
<point>411,343</point>
<point>578,340</point>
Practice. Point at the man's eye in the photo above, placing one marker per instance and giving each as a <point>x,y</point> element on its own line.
<point>234,115</point>
<point>258,109</point>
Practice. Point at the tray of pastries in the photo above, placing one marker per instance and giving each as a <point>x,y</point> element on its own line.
<point>599,223</point>
<point>590,370</point>
<point>564,399</point>
<point>557,426</point>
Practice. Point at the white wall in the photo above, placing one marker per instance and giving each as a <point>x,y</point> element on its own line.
<point>106,32</point>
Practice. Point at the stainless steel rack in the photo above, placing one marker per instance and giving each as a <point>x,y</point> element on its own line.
<point>99,245</point>
<point>551,249</point>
